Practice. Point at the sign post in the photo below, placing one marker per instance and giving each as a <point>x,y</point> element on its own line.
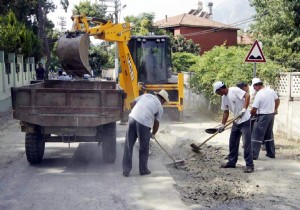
<point>255,55</point>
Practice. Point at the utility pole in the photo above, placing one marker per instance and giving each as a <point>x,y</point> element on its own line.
<point>62,23</point>
<point>114,9</point>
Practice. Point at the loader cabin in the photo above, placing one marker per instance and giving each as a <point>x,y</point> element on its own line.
<point>152,57</point>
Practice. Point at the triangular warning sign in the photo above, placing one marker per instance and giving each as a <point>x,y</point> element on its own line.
<point>255,54</point>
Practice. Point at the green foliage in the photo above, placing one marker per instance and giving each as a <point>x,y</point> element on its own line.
<point>183,61</point>
<point>181,44</point>
<point>227,65</point>
<point>142,24</point>
<point>89,9</point>
<point>15,37</point>
<point>99,58</point>
<point>277,25</point>
<point>23,9</point>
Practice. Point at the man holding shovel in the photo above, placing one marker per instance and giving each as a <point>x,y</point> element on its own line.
<point>146,113</point>
<point>236,100</point>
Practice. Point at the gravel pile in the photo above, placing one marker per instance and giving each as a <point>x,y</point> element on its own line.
<point>201,181</point>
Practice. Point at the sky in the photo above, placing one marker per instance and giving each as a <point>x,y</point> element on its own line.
<point>224,11</point>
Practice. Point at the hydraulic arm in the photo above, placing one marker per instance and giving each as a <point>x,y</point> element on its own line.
<point>72,50</point>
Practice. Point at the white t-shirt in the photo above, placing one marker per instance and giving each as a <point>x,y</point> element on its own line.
<point>234,102</point>
<point>265,101</point>
<point>64,77</point>
<point>146,109</point>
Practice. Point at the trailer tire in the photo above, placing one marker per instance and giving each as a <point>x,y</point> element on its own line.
<point>34,147</point>
<point>107,134</point>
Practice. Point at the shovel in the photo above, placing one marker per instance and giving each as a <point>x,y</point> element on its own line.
<point>175,162</point>
<point>197,148</point>
<point>215,129</point>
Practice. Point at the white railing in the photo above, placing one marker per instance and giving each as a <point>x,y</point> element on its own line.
<point>289,85</point>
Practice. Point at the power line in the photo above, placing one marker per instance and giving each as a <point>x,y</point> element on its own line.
<point>220,29</point>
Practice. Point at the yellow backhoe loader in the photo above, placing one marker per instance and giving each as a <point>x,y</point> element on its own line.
<point>145,60</point>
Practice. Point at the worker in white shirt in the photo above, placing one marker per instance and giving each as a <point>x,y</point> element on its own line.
<point>146,113</point>
<point>64,76</point>
<point>236,100</point>
<point>265,107</point>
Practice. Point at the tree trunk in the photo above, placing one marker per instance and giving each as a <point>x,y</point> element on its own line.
<point>42,17</point>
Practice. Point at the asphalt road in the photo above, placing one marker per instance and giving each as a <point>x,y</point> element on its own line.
<point>76,177</point>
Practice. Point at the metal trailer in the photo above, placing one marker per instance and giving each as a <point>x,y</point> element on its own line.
<point>68,111</point>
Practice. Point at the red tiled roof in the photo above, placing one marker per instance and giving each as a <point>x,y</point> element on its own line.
<point>191,21</point>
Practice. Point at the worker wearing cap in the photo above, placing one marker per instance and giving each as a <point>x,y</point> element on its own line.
<point>265,106</point>
<point>146,113</point>
<point>64,76</point>
<point>236,100</point>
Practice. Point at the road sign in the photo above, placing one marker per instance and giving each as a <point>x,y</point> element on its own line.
<point>255,54</point>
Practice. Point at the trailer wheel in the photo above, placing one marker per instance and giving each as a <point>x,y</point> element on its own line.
<point>107,134</point>
<point>34,147</point>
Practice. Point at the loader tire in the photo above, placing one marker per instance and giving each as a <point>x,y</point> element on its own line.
<point>107,134</point>
<point>34,147</point>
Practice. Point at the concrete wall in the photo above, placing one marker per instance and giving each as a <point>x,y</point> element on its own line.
<point>15,71</point>
<point>287,121</point>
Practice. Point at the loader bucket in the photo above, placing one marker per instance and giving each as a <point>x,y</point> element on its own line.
<point>72,52</point>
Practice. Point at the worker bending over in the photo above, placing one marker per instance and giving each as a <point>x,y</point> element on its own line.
<point>146,113</point>
<point>236,100</point>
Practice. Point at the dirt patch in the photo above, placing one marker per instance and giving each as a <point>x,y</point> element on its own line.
<point>202,181</point>
<point>203,184</point>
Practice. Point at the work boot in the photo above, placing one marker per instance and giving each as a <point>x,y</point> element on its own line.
<point>248,169</point>
<point>227,165</point>
<point>270,156</point>
<point>125,174</point>
<point>145,172</point>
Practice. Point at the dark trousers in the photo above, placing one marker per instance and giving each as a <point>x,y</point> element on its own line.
<point>136,130</point>
<point>238,130</point>
<point>263,132</point>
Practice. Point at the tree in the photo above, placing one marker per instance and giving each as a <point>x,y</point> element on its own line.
<point>183,61</point>
<point>227,65</point>
<point>277,25</point>
<point>22,9</point>
<point>33,14</point>
<point>64,4</point>
<point>99,58</point>
<point>16,38</point>
<point>142,24</point>
<point>90,10</point>
<point>44,8</point>
<point>180,44</point>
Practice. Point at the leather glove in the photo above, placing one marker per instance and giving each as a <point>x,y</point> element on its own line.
<point>242,112</point>
<point>221,128</point>
<point>152,136</point>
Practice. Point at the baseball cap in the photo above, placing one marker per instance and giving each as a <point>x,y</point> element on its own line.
<point>163,94</point>
<point>217,85</point>
<point>64,73</point>
<point>255,81</point>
